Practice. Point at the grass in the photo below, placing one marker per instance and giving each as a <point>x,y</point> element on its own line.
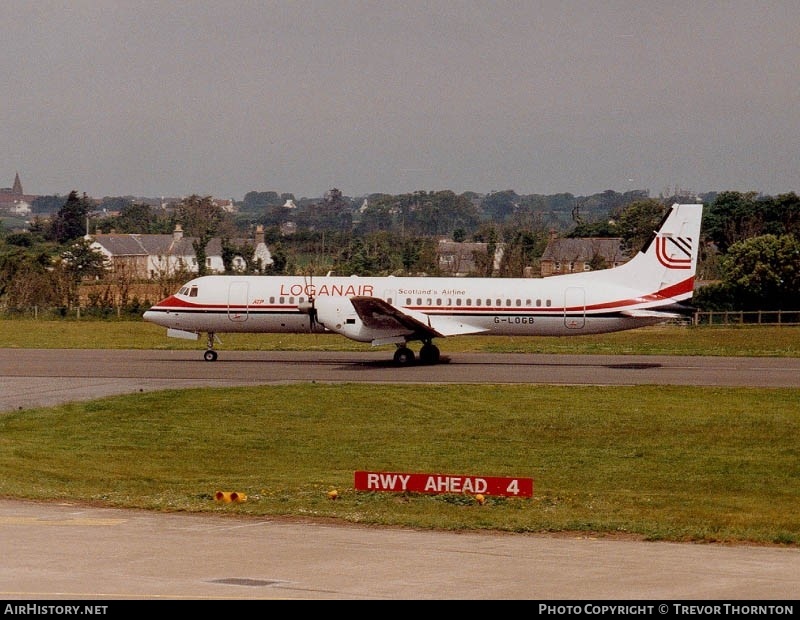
<point>760,341</point>
<point>662,463</point>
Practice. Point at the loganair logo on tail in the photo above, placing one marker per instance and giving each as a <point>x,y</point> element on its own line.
<point>674,252</point>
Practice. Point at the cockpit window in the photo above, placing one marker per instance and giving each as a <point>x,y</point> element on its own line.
<point>189,291</point>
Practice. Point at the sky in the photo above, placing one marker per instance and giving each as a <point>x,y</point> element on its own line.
<point>221,98</point>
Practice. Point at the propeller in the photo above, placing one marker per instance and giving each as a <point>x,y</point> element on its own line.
<point>308,307</point>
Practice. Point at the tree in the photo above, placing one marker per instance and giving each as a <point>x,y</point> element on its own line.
<point>203,219</point>
<point>27,280</point>
<point>437,213</point>
<point>499,206</point>
<point>47,204</point>
<point>733,217</point>
<point>135,218</point>
<point>636,223</point>
<point>760,273</point>
<point>257,201</point>
<point>77,262</point>
<point>522,252</point>
<point>484,261</point>
<point>332,213</point>
<point>763,273</point>
<point>279,261</point>
<point>782,215</point>
<point>70,221</point>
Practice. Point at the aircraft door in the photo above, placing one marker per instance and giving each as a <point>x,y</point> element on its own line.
<point>575,308</point>
<point>237,301</point>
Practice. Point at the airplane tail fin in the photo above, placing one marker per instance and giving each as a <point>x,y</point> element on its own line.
<point>669,258</point>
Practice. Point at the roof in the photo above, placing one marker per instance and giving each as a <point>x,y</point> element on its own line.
<point>585,249</point>
<point>157,245</point>
<point>145,245</point>
<point>463,248</point>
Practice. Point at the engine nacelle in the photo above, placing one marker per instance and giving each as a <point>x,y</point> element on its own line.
<point>338,315</point>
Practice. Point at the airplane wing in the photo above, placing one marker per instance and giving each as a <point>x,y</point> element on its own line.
<point>378,314</point>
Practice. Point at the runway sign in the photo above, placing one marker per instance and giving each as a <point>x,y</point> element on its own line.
<point>398,482</point>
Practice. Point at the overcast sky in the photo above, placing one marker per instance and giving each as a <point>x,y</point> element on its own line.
<point>223,97</point>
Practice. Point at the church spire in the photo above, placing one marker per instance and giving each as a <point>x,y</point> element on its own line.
<point>17,189</point>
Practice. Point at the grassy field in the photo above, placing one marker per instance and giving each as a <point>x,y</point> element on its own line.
<point>663,463</point>
<point>759,341</point>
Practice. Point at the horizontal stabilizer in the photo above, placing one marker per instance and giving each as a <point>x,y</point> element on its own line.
<point>644,313</point>
<point>682,309</point>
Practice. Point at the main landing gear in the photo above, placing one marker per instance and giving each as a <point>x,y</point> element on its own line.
<point>210,355</point>
<point>428,354</point>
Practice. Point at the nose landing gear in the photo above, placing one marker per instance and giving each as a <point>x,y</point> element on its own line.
<point>210,355</point>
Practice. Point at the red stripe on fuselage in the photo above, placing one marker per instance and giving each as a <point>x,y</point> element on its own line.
<point>682,288</point>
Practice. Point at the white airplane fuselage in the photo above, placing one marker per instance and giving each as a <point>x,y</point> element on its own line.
<point>557,306</point>
<point>396,310</point>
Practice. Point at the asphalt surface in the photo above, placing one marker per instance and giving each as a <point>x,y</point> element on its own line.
<point>76,552</point>
<point>42,377</point>
<point>64,551</point>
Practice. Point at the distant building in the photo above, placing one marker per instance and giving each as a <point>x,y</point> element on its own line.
<point>458,259</point>
<point>225,204</point>
<point>575,255</point>
<point>153,256</point>
<point>288,228</point>
<point>14,200</point>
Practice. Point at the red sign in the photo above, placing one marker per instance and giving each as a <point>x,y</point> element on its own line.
<point>442,483</point>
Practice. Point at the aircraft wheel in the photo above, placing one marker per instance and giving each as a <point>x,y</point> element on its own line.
<point>429,354</point>
<point>210,356</point>
<point>403,356</point>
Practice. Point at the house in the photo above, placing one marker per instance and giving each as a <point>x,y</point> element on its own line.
<point>155,256</point>
<point>574,255</point>
<point>458,259</point>
<point>226,204</point>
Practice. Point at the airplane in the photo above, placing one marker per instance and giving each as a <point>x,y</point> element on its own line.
<point>650,288</point>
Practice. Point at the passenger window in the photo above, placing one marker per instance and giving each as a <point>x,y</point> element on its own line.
<point>548,303</point>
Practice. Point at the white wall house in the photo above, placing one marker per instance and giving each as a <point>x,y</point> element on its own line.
<point>157,256</point>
